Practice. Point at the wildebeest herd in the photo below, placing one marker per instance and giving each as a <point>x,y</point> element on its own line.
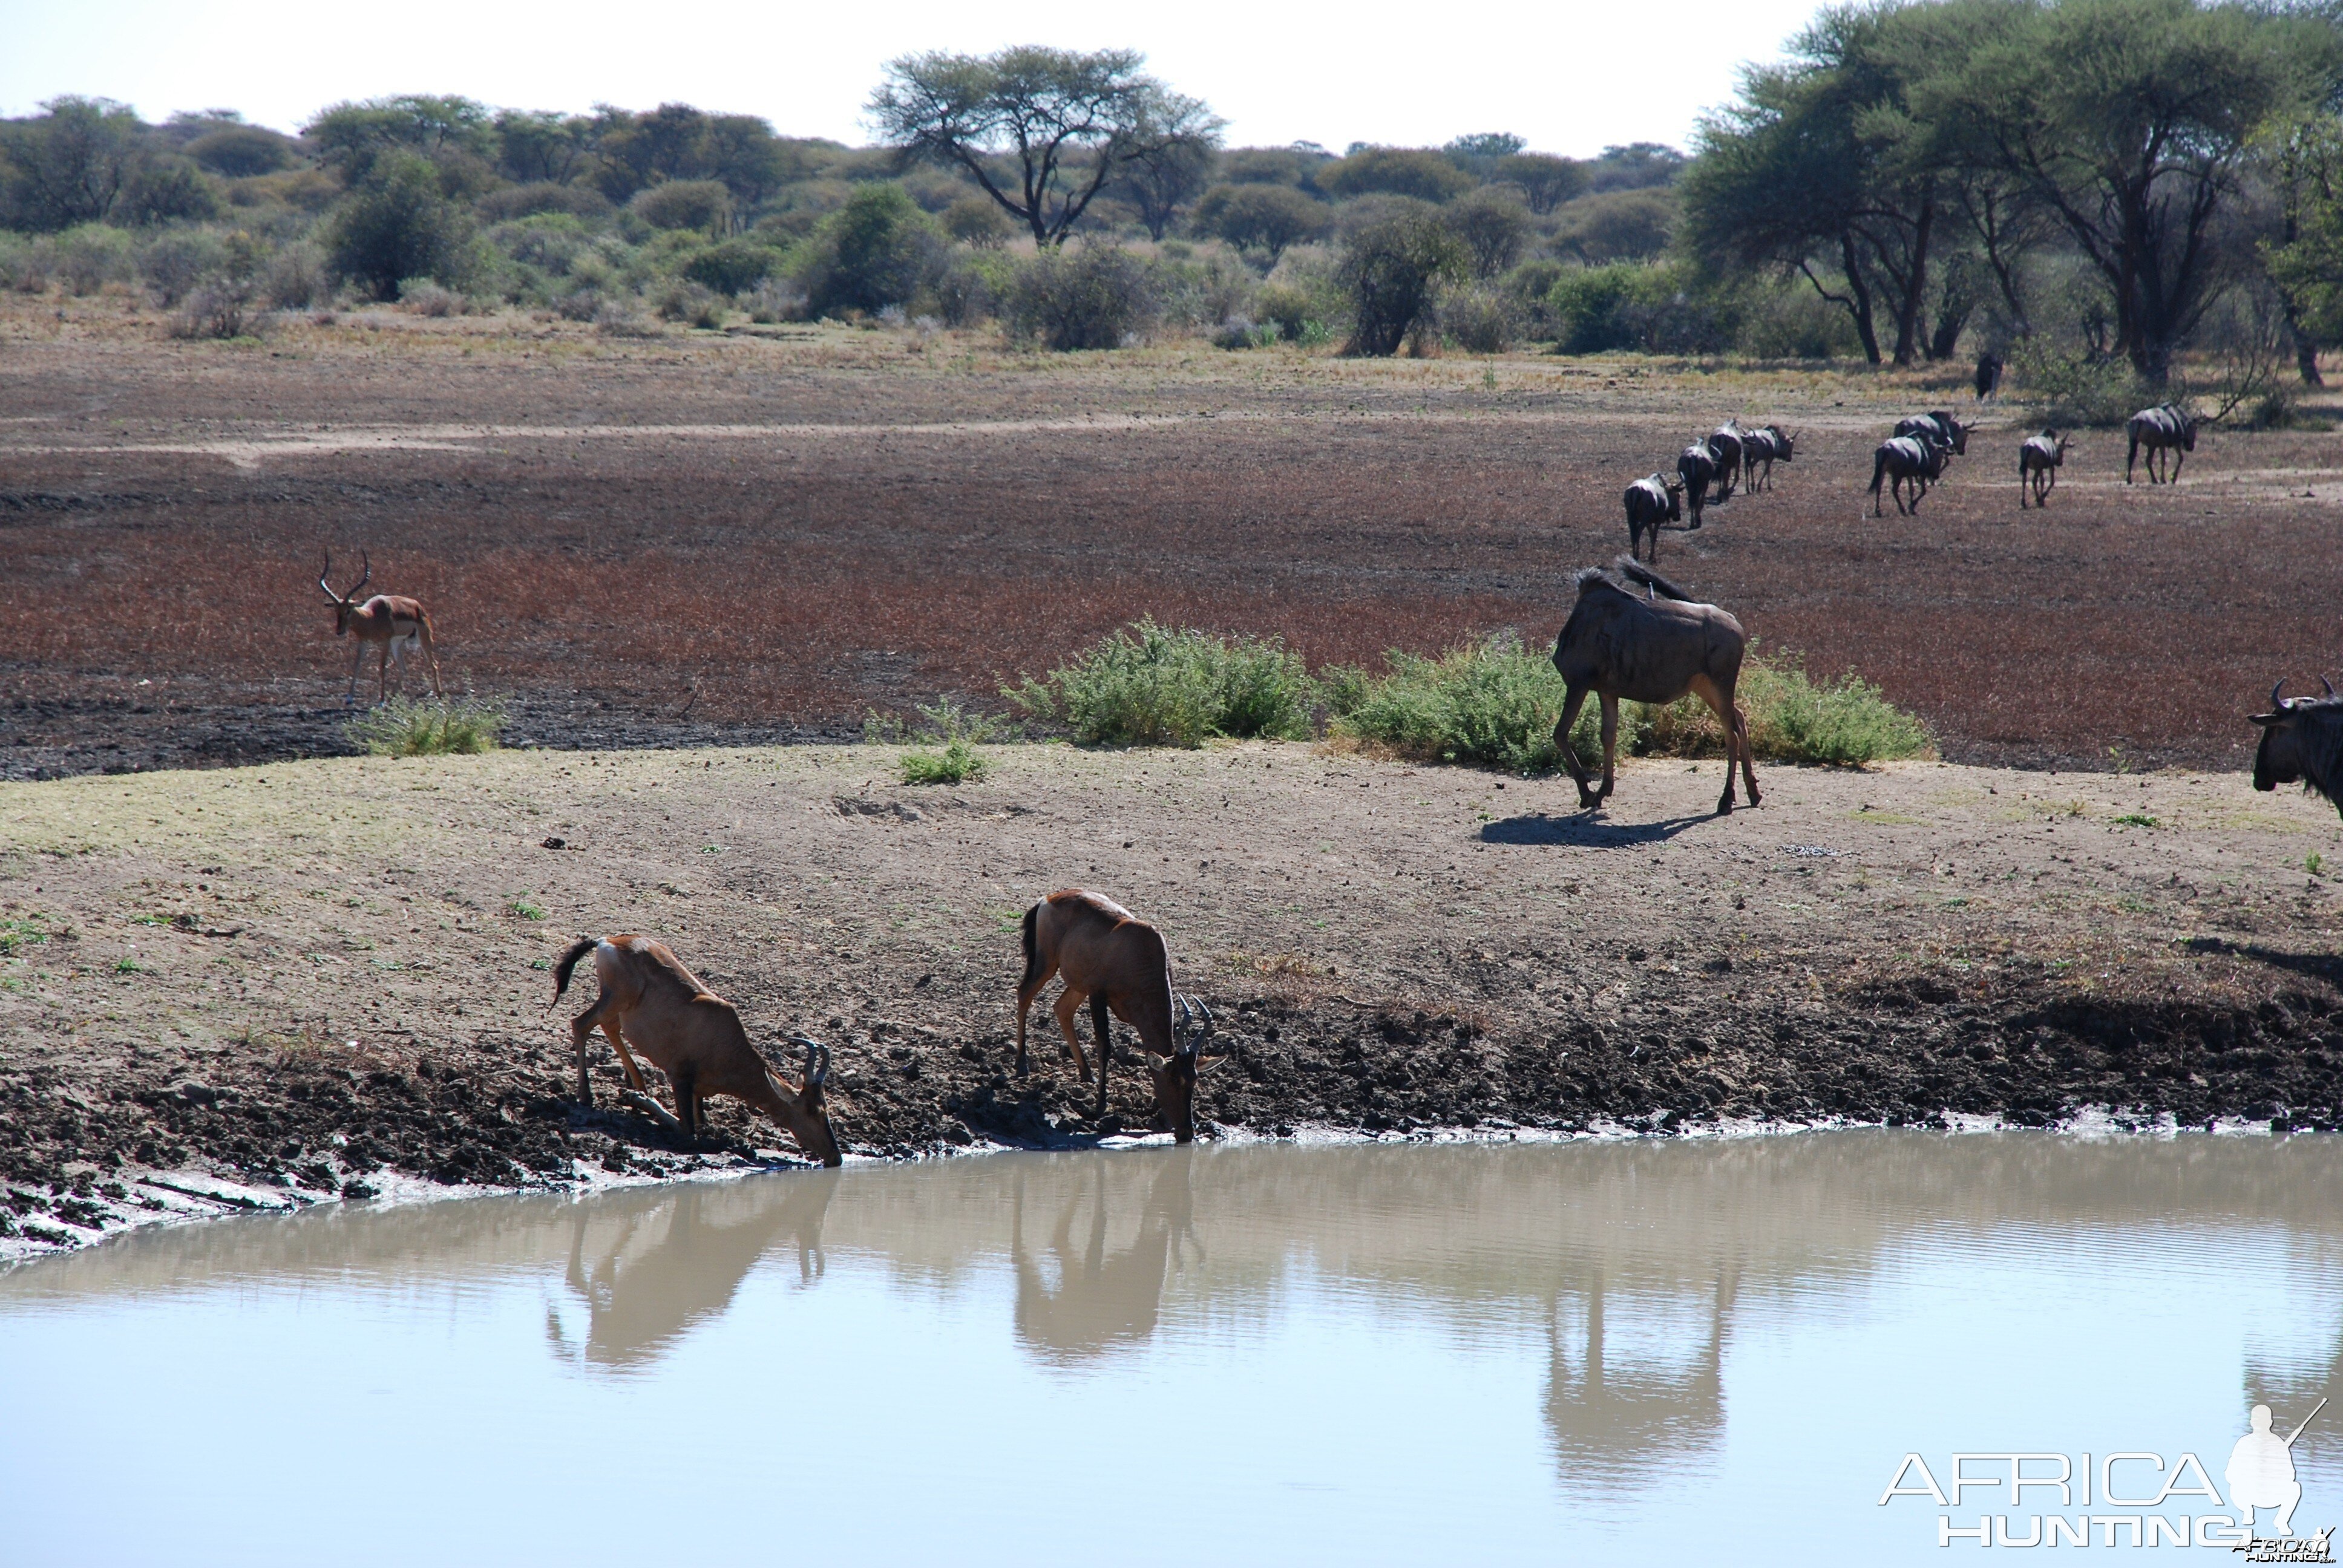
<point>1631,636</point>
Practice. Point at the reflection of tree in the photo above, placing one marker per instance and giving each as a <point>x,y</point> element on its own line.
<point>2292,1390</point>
<point>1101,1299</point>
<point>660,1271</point>
<point>1615,1424</point>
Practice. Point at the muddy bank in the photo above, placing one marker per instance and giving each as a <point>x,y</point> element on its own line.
<point>309,979</point>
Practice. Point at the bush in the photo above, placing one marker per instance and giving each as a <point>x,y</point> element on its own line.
<point>1616,225</point>
<point>238,152</point>
<point>957,763</point>
<point>704,205</point>
<point>530,200</point>
<point>219,309</point>
<point>1529,286</point>
<point>1261,219</point>
<point>978,223</point>
<point>968,287</point>
<point>734,266</point>
<point>396,225</point>
<point>874,252</point>
<point>1416,172</point>
<point>1093,298</point>
<point>1495,704</point>
<point>296,278</point>
<point>685,301</point>
<point>1657,310</point>
<point>175,261</point>
<point>2075,389</point>
<point>1482,319</point>
<point>1493,225</point>
<point>422,297</point>
<point>91,256</point>
<point>1298,316</point>
<point>403,728</point>
<point>773,300</point>
<point>1392,269</point>
<point>165,190</point>
<point>1149,685</point>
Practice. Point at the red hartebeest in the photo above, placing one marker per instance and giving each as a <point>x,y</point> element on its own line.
<point>1118,963</point>
<point>692,1035</point>
<point>394,622</point>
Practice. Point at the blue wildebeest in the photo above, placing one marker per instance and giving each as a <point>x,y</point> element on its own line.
<point>1988,375</point>
<point>1941,425</point>
<point>1652,501</point>
<point>1652,647</point>
<point>2167,428</point>
<point>1919,459</point>
<point>1696,467</point>
<point>1725,442</point>
<point>2302,740</point>
<point>2038,462</point>
<point>1767,446</point>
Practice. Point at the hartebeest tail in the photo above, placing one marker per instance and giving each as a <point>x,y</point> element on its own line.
<point>651,1002</point>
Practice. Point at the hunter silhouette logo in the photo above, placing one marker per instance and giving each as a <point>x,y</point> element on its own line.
<point>2120,1498</point>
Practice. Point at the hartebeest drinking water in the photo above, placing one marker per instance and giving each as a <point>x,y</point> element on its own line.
<point>1652,501</point>
<point>1118,963</point>
<point>2302,740</point>
<point>1651,647</point>
<point>1917,460</point>
<point>2038,462</point>
<point>694,1036</point>
<point>2168,428</point>
<point>393,623</point>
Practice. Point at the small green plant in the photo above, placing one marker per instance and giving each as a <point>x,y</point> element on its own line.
<point>1151,685</point>
<point>18,932</point>
<point>957,763</point>
<point>127,966</point>
<point>400,728</point>
<point>526,909</point>
<point>2315,863</point>
<point>2138,820</point>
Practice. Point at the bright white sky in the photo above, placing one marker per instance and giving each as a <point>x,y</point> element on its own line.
<point>1570,78</point>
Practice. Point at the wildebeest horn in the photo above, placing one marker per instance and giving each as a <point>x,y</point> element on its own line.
<point>2327,684</point>
<point>2276,700</point>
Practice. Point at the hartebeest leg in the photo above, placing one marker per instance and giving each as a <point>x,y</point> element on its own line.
<point>1105,1046</point>
<point>685,1081</point>
<point>581,1030</point>
<point>1573,700</point>
<point>635,1079</point>
<point>1070,1002</point>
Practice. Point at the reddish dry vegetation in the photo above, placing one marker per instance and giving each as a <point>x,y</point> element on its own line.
<point>792,582</point>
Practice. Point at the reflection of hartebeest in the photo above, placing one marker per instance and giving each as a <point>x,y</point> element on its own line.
<point>1100,1299</point>
<point>1611,1422</point>
<point>654,1274</point>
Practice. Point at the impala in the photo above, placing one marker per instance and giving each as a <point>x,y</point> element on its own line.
<point>392,622</point>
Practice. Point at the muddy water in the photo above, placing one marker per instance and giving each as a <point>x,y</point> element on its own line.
<point>1608,1352</point>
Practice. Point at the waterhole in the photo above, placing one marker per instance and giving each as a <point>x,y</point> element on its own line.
<point>1591,1352</point>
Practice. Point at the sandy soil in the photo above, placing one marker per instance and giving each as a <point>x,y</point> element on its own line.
<point>755,538</point>
<point>273,982</point>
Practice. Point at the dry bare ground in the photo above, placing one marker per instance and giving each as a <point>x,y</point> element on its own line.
<point>267,984</point>
<point>757,538</point>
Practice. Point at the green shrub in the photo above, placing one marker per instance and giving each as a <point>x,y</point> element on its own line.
<point>2074,390</point>
<point>1392,269</point>
<point>1092,297</point>
<point>702,205</point>
<point>1297,314</point>
<point>396,225</point>
<point>401,728</point>
<point>1417,172</point>
<point>957,763</point>
<point>874,252</point>
<point>1657,308</point>
<point>1495,704</point>
<point>977,222</point>
<point>734,266</point>
<point>1150,685</point>
<point>1480,319</point>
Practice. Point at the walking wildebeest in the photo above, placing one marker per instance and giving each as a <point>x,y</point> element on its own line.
<point>2165,427</point>
<point>1696,467</point>
<point>1940,424</point>
<point>1988,375</point>
<point>1725,442</point>
<point>2302,739</point>
<point>1919,458</point>
<point>1643,649</point>
<point>1768,445</point>
<point>691,1034</point>
<point>1652,501</point>
<point>2038,462</point>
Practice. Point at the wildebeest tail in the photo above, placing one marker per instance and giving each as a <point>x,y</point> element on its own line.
<point>567,962</point>
<point>1637,571</point>
<point>1033,948</point>
<point>1878,468</point>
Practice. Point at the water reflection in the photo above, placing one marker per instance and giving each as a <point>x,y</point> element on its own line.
<point>1612,1416</point>
<point>1077,1299</point>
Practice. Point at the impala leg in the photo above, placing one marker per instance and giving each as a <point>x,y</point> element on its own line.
<point>431,657</point>
<point>382,674</point>
<point>356,664</point>
<point>1571,702</point>
<point>1069,1001</point>
<point>1106,1043</point>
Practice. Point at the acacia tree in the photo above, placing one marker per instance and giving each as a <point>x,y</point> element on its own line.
<point>1170,160</point>
<point>1042,131</point>
<point>70,164</point>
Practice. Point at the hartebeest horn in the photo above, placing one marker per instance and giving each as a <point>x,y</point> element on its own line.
<point>816,1074</point>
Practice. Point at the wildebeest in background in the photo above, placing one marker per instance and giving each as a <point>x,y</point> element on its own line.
<point>2167,428</point>
<point>1940,424</point>
<point>1764,447</point>
<point>1623,645</point>
<point>1652,501</point>
<point>2302,741</point>
<point>2038,462</point>
<point>1917,459</point>
<point>1725,442</point>
<point>1988,375</point>
<point>1696,467</point>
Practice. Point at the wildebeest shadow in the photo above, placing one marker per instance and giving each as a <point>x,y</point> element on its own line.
<point>1586,829</point>
<point>2327,967</point>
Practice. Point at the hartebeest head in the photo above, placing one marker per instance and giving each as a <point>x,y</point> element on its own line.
<point>345,604</point>
<point>1175,1075</point>
<point>807,1119</point>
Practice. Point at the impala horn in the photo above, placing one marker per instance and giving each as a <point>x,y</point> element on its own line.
<point>331,596</point>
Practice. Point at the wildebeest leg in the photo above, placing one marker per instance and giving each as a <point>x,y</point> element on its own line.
<point>1573,700</point>
<point>1069,1001</point>
<point>2179,456</point>
<point>1720,702</point>
<point>1100,1037</point>
<point>581,1030</point>
<point>1610,741</point>
<point>2132,453</point>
